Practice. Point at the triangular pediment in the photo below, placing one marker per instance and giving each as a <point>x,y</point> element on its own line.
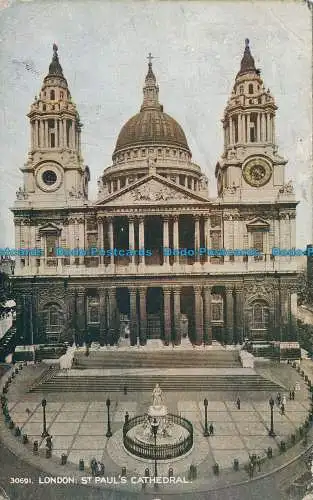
<point>258,224</point>
<point>49,228</point>
<point>153,190</point>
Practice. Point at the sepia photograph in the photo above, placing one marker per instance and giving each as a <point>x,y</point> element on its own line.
<point>156,253</point>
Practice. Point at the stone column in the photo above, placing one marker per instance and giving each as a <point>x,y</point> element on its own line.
<point>143,316</point>
<point>166,240</point>
<point>231,136</point>
<point>102,316</point>
<point>61,135</point>
<point>239,314</point>
<point>64,133</point>
<point>268,133</point>
<point>142,237</point>
<point>112,315</point>
<point>41,134</point>
<point>177,316</point>
<point>176,236</point>
<point>198,315</point>
<point>207,326</point>
<point>111,238</point>
<point>229,316</point>
<point>258,128</point>
<point>197,236</point>
<point>81,233</point>
<point>206,234</point>
<point>133,315</point>
<point>167,315</point>
<point>46,134</point>
<point>35,139</point>
<point>263,128</point>
<point>248,127</point>
<point>131,237</point>
<point>100,239</point>
<point>240,128</point>
<point>80,316</point>
<point>71,315</point>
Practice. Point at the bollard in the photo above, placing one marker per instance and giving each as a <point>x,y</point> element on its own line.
<point>216,469</point>
<point>123,472</point>
<point>24,439</point>
<point>35,448</point>
<point>170,472</point>
<point>236,464</point>
<point>63,459</point>
<point>81,465</point>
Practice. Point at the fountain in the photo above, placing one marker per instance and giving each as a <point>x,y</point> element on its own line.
<point>174,433</point>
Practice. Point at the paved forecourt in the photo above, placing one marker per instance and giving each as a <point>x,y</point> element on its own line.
<point>78,427</point>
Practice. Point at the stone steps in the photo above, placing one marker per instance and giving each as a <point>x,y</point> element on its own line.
<point>98,383</point>
<point>158,359</point>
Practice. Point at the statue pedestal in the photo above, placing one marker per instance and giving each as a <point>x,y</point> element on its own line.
<point>160,414</point>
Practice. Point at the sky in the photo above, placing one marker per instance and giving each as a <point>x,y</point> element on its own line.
<point>103,48</point>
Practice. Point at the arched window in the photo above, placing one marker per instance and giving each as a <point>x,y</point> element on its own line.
<point>61,95</point>
<point>241,89</point>
<point>250,88</point>
<point>52,95</point>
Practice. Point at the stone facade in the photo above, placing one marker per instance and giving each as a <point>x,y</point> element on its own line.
<point>153,197</point>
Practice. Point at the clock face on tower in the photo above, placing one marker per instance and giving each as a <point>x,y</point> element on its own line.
<point>257,172</point>
<point>49,176</point>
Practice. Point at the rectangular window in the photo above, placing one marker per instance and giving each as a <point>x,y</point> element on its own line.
<point>52,141</point>
<point>258,243</point>
<point>51,243</point>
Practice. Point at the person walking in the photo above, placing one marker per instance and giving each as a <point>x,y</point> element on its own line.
<point>238,403</point>
<point>211,430</point>
<point>258,462</point>
<point>278,399</point>
<point>284,401</point>
<point>282,409</point>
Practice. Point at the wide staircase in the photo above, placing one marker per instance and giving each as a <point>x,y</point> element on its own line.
<point>171,358</point>
<point>146,382</point>
<point>141,370</point>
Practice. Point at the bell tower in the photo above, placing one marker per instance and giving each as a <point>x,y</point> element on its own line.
<point>54,172</point>
<point>250,167</point>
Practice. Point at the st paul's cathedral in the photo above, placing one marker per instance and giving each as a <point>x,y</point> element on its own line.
<point>146,260</point>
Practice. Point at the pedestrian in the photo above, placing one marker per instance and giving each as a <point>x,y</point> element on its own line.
<point>93,466</point>
<point>282,409</point>
<point>258,461</point>
<point>290,394</point>
<point>293,393</point>
<point>238,403</point>
<point>125,389</point>
<point>251,469</point>
<point>211,429</point>
<point>102,469</point>
<point>126,417</point>
<point>284,401</point>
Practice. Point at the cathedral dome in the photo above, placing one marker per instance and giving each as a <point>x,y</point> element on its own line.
<point>151,126</point>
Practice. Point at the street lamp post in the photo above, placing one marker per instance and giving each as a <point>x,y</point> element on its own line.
<point>155,426</point>
<point>271,431</point>
<point>206,432</point>
<point>109,432</point>
<point>44,431</point>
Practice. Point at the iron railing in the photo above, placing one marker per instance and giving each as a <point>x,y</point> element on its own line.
<point>160,451</point>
